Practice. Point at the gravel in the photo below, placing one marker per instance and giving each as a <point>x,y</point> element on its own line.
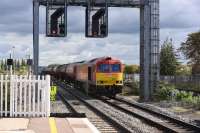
<point>99,123</point>
<point>58,106</point>
<point>159,108</point>
<point>133,124</point>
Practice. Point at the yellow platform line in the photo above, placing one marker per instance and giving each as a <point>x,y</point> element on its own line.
<point>52,124</point>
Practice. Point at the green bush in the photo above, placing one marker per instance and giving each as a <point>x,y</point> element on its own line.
<point>136,87</point>
<point>184,95</point>
<point>192,101</point>
<point>165,91</point>
<point>131,88</point>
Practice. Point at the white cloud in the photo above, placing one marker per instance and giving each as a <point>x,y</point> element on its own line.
<point>74,48</point>
<point>177,20</point>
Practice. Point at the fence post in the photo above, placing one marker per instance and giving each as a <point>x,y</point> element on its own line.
<point>38,94</point>
<point>21,80</point>
<point>48,88</point>
<point>34,94</point>
<point>6,96</point>
<point>1,98</point>
<point>15,96</point>
<point>11,95</point>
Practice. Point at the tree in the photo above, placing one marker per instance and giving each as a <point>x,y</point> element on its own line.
<point>184,70</point>
<point>168,59</point>
<point>130,69</point>
<point>191,50</point>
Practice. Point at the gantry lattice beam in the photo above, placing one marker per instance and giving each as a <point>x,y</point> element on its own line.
<point>149,48</point>
<point>111,3</point>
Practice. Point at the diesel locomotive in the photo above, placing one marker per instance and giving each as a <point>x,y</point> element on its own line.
<point>101,76</point>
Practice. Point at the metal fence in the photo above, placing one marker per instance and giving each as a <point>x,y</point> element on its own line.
<point>194,80</point>
<point>177,80</point>
<point>24,96</point>
<point>131,77</point>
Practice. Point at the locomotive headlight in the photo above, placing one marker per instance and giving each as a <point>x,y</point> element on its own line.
<point>119,82</point>
<point>100,82</point>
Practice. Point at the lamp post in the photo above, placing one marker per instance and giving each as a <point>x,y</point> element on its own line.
<point>29,62</point>
<point>13,50</point>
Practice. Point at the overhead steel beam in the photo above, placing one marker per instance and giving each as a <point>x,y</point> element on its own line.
<point>36,36</point>
<point>99,3</point>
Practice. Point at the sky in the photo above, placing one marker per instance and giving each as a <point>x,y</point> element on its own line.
<point>178,18</point>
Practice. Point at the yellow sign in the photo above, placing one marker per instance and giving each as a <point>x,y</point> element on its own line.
<point>53,93</point>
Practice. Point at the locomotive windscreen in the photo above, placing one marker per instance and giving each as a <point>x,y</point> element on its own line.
<point>109,68</point>
<point>103,68</point>
<point>115,67</point>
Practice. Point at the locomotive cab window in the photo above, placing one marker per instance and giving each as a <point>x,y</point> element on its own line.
<point>115,67</point>
<point>103,68</point>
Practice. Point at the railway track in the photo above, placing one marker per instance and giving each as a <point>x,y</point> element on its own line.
<point>103,124</point>
<point>120,120</point>
<point>154,119</point>
<point>161,121</point>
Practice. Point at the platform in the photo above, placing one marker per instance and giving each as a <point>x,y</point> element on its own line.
<point>46,125</point>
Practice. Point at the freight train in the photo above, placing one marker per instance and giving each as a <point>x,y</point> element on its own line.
<point>100,76</point>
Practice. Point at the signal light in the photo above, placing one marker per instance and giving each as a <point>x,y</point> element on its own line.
<point>96,21</point>
<point>9,62</point>
<point>56,20</point>
<point>29,62</point>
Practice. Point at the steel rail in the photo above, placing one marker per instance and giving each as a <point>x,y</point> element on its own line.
<point>97,111</point>
<point>139,116</point>
<point>157,114</point>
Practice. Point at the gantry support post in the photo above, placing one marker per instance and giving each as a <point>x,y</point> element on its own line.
<point>35,36</point>
<point>149,48</point>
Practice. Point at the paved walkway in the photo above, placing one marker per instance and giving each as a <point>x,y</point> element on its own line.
<point>46,125</point>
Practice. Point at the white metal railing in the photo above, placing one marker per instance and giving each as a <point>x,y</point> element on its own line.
<point>24,96</point>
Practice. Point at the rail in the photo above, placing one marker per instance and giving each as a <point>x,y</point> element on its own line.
<point>97,111</point>
<point>161,115</point>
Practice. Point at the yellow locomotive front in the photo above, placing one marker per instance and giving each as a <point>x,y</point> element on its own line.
<point>109,76</point>
<point>109,79</point>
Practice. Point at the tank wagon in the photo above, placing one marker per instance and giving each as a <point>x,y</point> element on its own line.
<point>102,76</point>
